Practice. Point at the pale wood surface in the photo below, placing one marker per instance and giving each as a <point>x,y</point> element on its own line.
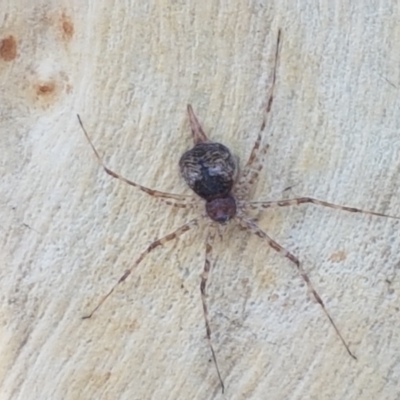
<point>68,231</point>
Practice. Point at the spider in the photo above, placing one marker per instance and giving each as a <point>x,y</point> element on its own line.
<point>211,171</point>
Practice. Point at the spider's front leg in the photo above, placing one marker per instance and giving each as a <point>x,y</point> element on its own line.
<point>249,175</point>
<point>177,200</point>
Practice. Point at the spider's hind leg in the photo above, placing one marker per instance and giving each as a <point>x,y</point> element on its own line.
<point>253,227</point>
<point>203,289</point>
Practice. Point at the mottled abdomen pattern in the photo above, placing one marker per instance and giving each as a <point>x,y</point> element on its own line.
<point>209,169</point>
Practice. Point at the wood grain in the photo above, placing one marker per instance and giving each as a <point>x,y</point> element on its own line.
<point>68,231</point>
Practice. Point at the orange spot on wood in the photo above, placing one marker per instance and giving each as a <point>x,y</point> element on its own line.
<point>8,48</point>
<point>338,256</point>
<point>266,277</point>
<point>67,27</point>
<point>45,89</point>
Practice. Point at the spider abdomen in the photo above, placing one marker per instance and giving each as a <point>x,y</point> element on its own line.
<point>209,169</point>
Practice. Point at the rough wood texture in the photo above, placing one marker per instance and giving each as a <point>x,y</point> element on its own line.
<point>68,231</point>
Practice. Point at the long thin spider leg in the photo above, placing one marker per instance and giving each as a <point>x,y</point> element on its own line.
<point>253,227</point>
<point>254,164</point>
<point>190,202</point>
<point>159,242</point>
<point>302,200</point>
<point>203,290</point>
<point>197,131</point>
<point>249,175</point>
<point>151,192</point>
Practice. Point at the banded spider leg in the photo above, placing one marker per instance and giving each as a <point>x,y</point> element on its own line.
<point>210,170</point>
<point>254,228</point>
<point>180,201</point>
<point>176,200</point>
<point>249,175</point>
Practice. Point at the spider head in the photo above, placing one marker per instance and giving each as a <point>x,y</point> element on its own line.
<point>221,210</point>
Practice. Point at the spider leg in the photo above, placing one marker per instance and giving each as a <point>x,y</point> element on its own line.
<point>254,164</point>
<point>197,131</point>
<point>155,193</point>
<point>249,176</point>
<point>253,227</point>
<point>189,202</point>
<point>302,200</point>
<point>159,242</point>
<point>203,290</point>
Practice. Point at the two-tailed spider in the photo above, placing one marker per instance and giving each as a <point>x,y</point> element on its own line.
<point>211,171</point>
